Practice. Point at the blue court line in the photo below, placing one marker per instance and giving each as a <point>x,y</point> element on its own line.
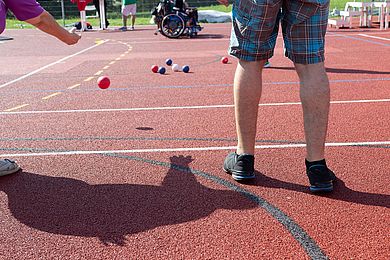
<point>130,138</point>
<point>362,40</point>
<point>140,88</point>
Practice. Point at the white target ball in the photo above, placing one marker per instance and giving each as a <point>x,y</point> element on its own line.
<point>175,67</point>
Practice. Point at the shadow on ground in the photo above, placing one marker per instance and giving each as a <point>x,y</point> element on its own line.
<point>341,191</point>
<point>111,211</point>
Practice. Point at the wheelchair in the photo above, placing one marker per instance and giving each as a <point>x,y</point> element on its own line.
<point>173,21</point>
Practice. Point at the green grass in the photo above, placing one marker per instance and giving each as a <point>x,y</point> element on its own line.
<point>339,4</point>
<point>220,8</point>
<point>143,18</point>
<point>95,22</point>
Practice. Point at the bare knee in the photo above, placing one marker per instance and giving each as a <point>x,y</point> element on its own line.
<point>251,65</point>
<point>313,80</point>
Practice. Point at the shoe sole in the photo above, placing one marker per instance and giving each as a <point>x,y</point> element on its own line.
<point>4,173</point>
<point>316,189</point>
<point>238,177</point>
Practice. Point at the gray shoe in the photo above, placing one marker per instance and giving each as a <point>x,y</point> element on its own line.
<point>8,167</point>
<point>123,28</point>
<point>241,167</point>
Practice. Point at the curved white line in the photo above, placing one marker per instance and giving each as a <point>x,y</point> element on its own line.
<point>49,65</point>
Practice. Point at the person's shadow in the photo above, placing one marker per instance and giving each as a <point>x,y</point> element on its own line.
<point>341,192</point>
<point>111,211</point>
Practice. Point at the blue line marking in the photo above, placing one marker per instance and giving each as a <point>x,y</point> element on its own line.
<point>140,88</point>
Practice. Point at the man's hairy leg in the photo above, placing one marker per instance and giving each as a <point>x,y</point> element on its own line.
<point>315,98</point>
<point>247,93</point>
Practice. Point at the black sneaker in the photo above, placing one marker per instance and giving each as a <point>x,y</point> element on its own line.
<point>320,178</point>
<point>241,167</point>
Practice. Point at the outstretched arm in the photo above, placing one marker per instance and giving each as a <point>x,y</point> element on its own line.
<point>48,24</point>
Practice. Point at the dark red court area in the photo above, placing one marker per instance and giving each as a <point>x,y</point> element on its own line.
<point>135,171</point>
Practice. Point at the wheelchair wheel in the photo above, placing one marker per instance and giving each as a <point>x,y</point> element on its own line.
<point>172,26</point>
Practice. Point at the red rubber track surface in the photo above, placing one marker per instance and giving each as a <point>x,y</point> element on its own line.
<point>127,191</point>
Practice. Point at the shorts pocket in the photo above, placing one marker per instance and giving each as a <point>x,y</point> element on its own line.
<point>256,19</point>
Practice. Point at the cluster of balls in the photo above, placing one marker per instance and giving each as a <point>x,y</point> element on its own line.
<point>104,81</point>
<point>175,67</point>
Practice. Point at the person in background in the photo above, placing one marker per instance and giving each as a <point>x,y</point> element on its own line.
<point>97,6</point>
<point>129,8</point>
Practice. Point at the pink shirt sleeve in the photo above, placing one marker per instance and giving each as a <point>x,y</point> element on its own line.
<point>24,9</point>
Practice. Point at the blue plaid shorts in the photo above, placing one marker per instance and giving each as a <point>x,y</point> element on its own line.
<point>255,28</point>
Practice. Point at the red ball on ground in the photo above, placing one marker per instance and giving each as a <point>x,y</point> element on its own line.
<point>155,68</point>
<point>224,60</point>
<point>103,82</point>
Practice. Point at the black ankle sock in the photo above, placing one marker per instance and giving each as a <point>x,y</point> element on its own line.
<point>320,162</point>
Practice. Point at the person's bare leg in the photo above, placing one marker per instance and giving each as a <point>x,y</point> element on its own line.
<point>132,21</point>
<point>247,93</point>
<point>124,20</point>
<point>315,98</point>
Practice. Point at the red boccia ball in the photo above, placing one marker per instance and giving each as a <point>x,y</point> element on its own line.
<point>103,82</point>
<point>155,68</point>
<point>224,60</point>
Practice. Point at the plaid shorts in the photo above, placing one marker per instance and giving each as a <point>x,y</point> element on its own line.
<point>256,24</point>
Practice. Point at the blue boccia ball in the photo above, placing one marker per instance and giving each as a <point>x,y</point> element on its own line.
<point>161,70</point>
<point>185,68</point>
<point>168,62</point>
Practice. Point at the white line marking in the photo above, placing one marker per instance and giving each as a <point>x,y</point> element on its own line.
<point>178,108</point>
<point>98,73</point>
<point>213,39</point>
<point>375,37</point>
<point>188,149</point>
<point>49,65</point>
<point>360,101</point>
<point>146,41</point>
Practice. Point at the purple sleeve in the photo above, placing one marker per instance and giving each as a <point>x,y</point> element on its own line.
<point>24,9</point>
<point>3,13</point>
